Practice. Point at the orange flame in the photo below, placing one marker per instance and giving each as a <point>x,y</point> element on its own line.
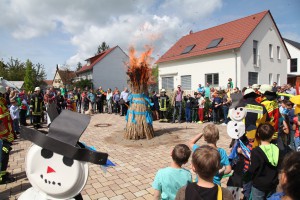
<point>139,70</point>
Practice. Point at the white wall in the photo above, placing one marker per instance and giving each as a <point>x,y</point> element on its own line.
<point>265,33</point>
<point>222,63</point>
<point>110,72</point>
<point>295,53</point>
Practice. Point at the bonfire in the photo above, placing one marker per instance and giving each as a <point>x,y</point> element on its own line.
<point>139,118</point>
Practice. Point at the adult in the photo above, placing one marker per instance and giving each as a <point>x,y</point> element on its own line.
<point>290,89</point>
<point>256,115</point>
<point>109,100</point>
<point>116,99</point>
<point>124,96</point>
<point>36,107</point>
<point>225,106</point>
<point>155,107</point>
<point>59,102</point>
<point>78,100</point>
<point>92,98</point>
<point>201,90</point>
<point>100,99</point>
<point>163,106</point>
<point>274,87</point>
<point>230,83</point>
<point>6,95</point>
<point>207,91</point>
<point>177,103</point>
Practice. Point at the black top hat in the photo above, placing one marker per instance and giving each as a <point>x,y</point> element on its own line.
<point>237,100</point>
<point>63,137</point>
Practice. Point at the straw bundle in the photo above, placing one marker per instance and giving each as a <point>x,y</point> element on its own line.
<point>139,119</point>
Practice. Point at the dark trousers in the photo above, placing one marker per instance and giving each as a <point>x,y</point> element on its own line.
<point>216,115</point>
<point>195,114</point>
<point>36,120</point>
<point>163,115</point>
<point>225,113</point>
<point>100,106</point>
<point>116,108</point>
<point>188,114</point>
<point>23,117</point>
<point>124,108</point>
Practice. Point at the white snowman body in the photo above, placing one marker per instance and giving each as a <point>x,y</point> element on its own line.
<point>53,176</point>
<point>236,127</point>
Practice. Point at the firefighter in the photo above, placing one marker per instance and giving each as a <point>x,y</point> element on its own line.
<point>36,107</point>
<point>6,137</point>
<point>269,100</point>
<point>163,106</point>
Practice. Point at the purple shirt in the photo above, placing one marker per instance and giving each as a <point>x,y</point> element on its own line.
<point>179,95</point>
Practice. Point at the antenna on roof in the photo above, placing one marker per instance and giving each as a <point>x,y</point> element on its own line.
<point>191,31</point>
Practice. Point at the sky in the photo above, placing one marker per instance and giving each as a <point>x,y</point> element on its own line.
<point>65,32</point>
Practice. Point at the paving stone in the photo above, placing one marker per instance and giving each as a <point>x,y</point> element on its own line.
<point>135,168</point>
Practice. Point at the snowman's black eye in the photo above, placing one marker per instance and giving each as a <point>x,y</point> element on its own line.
<point>235,108</point>
<point>68,161</point>
<point>46,153</point>
<point>241,109</point>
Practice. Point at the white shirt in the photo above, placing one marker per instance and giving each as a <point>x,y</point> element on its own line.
<point>14,112</point>
<point>124,96</point>
<point>201,102</point>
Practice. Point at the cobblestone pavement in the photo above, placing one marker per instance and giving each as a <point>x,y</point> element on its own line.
<point>135,168</point>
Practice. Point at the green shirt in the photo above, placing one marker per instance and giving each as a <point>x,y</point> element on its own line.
<point>169,180</point>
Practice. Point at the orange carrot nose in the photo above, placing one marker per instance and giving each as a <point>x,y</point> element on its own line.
<point>50,170</point>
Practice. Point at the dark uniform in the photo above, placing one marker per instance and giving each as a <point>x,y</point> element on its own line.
<point>36,107</point>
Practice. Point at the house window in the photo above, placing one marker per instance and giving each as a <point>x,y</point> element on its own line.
<point>168,83</point>
<point>278,52</point>
<point>214,43</point>
<point>278,79</point>
<point>293,65</point>
<point>255,53</point>
<point>270,78</point>
<point>188,49</point>
<point>252,78</point>
<point>213,79</point>
<point>270,50</point>
<point>186,82</point>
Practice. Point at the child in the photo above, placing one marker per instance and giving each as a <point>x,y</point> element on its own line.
<point>290,178</point>
<point>211,136</point>
<point>188,105</point>
<point>265,160</point>
<point>195,108</point>
<point>201,102</point>
<point>15,116</point>
<point>206,163</point>
<point>168,180</point>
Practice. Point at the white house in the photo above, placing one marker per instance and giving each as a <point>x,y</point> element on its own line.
<point>106,69</point>
<point>293,63</point>
<point>248,50</point>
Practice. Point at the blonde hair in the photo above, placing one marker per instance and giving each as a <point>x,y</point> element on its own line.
<point>211,133</point>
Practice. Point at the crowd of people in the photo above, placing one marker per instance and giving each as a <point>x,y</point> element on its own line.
<point>271,135</point>
<point>259,161</point>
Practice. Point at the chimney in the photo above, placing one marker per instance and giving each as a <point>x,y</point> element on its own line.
<point>191,31</point>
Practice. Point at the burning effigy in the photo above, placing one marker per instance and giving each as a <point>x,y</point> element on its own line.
<point>139,118</point>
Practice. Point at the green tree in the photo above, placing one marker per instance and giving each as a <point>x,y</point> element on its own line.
<point>16,70</point>
<point>79,66</point>
<point>3,70</point>
<point>39,74</point>
<point>29,83</point>
<point>84,83</point>
<point>102,47</point>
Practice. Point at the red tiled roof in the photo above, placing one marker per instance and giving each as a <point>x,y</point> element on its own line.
<point>48,82</point>
<point>234,34</point>
<point>95,59</point>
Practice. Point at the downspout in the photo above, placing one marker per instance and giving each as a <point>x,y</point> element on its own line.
<point>234,51</point>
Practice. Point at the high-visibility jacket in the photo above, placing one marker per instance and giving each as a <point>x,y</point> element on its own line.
<point>273,112</point>
<point>36,104</point>
<point>6,130</point>
<point>256,115</point>
<point>163,103</point>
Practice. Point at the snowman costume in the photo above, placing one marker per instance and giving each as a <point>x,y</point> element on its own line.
<point>56,164</point>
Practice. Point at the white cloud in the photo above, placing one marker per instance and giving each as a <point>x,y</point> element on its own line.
<point>89,23</point>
